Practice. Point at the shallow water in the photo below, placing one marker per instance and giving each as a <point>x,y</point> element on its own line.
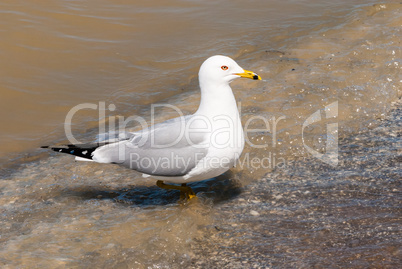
<point>55,56</point>
<point>293,211</point>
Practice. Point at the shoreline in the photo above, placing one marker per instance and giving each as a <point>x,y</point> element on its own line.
<point>255,56</point>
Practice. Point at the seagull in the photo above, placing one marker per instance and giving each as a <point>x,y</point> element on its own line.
<point>185,149</point>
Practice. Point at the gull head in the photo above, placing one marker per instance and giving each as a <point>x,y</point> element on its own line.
<point>220,69</point>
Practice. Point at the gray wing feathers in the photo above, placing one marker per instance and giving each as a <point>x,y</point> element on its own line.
<point>113,137</point>
<point>164,149</point>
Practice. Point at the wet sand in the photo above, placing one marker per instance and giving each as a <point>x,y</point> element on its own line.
<point>312,215</point>
<point>306,215</point>
<point>297,213</point>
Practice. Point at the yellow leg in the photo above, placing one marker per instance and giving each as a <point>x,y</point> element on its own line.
<point>185,191</point>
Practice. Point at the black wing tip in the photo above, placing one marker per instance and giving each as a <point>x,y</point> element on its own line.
<point>74,146</point>
<point>83,151</point>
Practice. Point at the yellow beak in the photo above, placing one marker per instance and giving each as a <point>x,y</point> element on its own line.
<point>249,74</point>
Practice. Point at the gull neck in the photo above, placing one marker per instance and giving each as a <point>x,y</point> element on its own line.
<point>217,100</point>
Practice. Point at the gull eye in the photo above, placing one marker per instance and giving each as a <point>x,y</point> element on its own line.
<point>224,67</point>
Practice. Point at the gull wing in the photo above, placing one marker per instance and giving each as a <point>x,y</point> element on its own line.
<point>165,149</point>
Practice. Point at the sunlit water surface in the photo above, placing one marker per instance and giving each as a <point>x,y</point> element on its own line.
<point>294,212</point>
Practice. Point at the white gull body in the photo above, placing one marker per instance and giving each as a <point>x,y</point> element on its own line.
<point>189,148</point>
